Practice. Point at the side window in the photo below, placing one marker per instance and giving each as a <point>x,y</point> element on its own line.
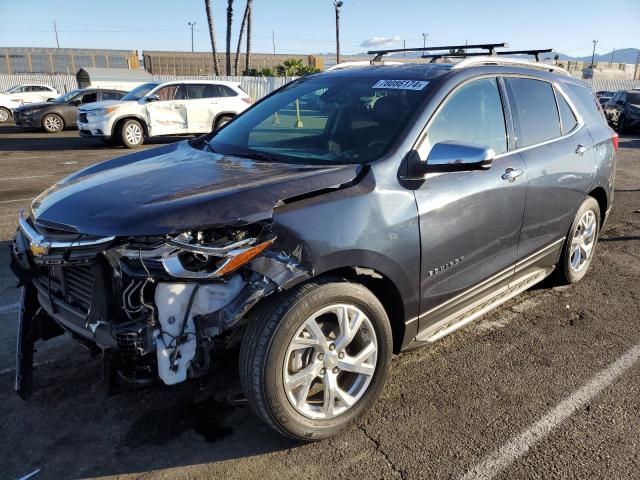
<point>89,98</point>
<point>170,92</point>
<point>197,91</point>
<point>567,119</point>
<point>226,91</point>
<point>474,115</point>
<point>536,110</point>
<point>111,95</point>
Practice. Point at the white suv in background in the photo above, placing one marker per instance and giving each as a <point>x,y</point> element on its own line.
<point>31,93</point>
<point>170,108</point>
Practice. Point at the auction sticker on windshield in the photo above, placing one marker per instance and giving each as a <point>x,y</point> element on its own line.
<point>401,84</point>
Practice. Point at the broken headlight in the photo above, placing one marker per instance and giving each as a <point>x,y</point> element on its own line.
<point>200,255</point>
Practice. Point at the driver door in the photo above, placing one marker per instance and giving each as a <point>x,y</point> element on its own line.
<point>470,221</point>
<point>167,115</point>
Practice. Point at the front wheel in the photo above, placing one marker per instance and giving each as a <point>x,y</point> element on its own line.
<point>222,121</point>
<point>131,134</point>
<point>315,359</point>
<point>52,123</point>
<point>580,244</point>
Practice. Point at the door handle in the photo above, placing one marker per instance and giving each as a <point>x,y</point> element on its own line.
<point>178,105</point>
<point>512,173</point>
<point>580,149</point>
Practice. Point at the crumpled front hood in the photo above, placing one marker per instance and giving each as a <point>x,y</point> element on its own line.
<point>177,187</point>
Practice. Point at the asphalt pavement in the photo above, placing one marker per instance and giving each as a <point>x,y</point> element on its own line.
<point>546,386</point>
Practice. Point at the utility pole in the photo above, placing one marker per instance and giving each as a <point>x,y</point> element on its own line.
<point>404,46</point>
<point>424,40</point>
<point>635,72</point>
<point>593,54</point>
<point>191,24</point>
<point>273,39</point>
<point>338,5</point>
<point>55,29</point>
<point>611,59</point>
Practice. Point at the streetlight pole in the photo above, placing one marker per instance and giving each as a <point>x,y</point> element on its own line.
<point>424,40</point>
<point>337,4</point>
<point>191,24</point>
<point>593,54</point>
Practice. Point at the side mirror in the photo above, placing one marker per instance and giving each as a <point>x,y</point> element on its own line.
<point>50,100</point>
<point>451,156</point>
<point>152,98</point>
<point>77,102</point>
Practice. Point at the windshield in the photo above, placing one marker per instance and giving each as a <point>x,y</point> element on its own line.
<point>139,92</point>
<point>324,120</point>
<point>10,90</point>
<point>67,96</point>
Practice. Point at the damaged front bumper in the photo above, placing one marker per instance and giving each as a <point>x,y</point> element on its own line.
<point>155,307</point>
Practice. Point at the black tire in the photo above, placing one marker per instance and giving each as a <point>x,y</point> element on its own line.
<point>131,134</point>
<point>5,115</point>
<point>221,121</point>
<point>52,123</point>
<point>264,349</point>
<point>564,273</point>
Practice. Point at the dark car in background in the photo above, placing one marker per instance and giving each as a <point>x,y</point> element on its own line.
<point>623,110</point>
<point>347,216</point>
<point>60,113</point>
<point>604,96</point>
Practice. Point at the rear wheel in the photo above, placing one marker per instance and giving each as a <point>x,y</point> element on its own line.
<point>222,121</point>
<point>52,123</point>
<point>131,134</point>
<point>580,244</point>
<point>5,115</point>
<point>316,358</point>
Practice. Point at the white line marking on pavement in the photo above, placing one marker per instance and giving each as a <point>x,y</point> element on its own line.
<point>30,176</point>
<point>519,445</point>
<point>16,200</point>
<point>14,307</point>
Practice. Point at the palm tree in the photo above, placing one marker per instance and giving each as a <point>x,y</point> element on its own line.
<point>229,25</point>
<point>242,27</point>
<point>247,65</point>
<point>212,35</point>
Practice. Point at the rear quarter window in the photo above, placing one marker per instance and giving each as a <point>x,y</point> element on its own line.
<point>586,103</point>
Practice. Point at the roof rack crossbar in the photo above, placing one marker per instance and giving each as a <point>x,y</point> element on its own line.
<point>490,47</point>
<point>535,52</point>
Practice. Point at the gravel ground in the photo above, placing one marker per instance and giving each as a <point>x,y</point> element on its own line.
<point>534,389</point>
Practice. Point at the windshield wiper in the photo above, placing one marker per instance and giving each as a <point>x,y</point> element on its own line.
<point>261,157</point>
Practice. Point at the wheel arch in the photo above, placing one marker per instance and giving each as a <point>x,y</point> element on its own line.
<point>222,114</point>
<point>600,195</point>
<point>118,123</point>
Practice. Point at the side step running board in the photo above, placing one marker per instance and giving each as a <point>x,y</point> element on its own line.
<point>471,312</point>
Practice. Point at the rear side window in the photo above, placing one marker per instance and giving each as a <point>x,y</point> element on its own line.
<point>111,95</point>
<point>568,120</point>
<point>536,110</point>
<point>474,115</point>
<point>586,103</point>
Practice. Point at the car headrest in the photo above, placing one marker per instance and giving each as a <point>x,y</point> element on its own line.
<point>386,110</point>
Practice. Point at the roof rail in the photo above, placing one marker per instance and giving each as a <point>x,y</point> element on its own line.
<point>492,60</point>
<point>489,47</point>
<point>339,66</point>
<point>535,52</point>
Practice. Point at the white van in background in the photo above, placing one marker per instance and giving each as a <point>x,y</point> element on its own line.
<point>169,108</point>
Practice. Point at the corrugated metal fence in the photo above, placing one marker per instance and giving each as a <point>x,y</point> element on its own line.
<point>257,87</point>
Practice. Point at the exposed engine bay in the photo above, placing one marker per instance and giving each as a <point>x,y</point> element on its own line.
<point>153,307</point>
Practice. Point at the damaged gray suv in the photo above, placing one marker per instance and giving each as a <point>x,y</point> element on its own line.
<point>347,216</point>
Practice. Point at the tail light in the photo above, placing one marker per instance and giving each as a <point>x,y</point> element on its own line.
<point>615,139</point>
<point>248,100</point>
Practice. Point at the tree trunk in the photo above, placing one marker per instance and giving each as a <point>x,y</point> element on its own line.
<point>242,27</point>
<point>212,35</point>
<point>229,25</point>
<point>247,64</point>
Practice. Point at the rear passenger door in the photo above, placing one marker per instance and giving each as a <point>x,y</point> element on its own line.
<point>557,150</point>
<point>168,114</point>
<point>203,106</point>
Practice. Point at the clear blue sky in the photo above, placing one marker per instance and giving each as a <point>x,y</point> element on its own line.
<point>307,26</point>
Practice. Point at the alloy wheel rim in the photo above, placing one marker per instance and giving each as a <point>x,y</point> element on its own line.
<point>52,123</point>
<point>330,361</point>
<point>583,241</point>
<point>133,134</point>
<point>4,115</point>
